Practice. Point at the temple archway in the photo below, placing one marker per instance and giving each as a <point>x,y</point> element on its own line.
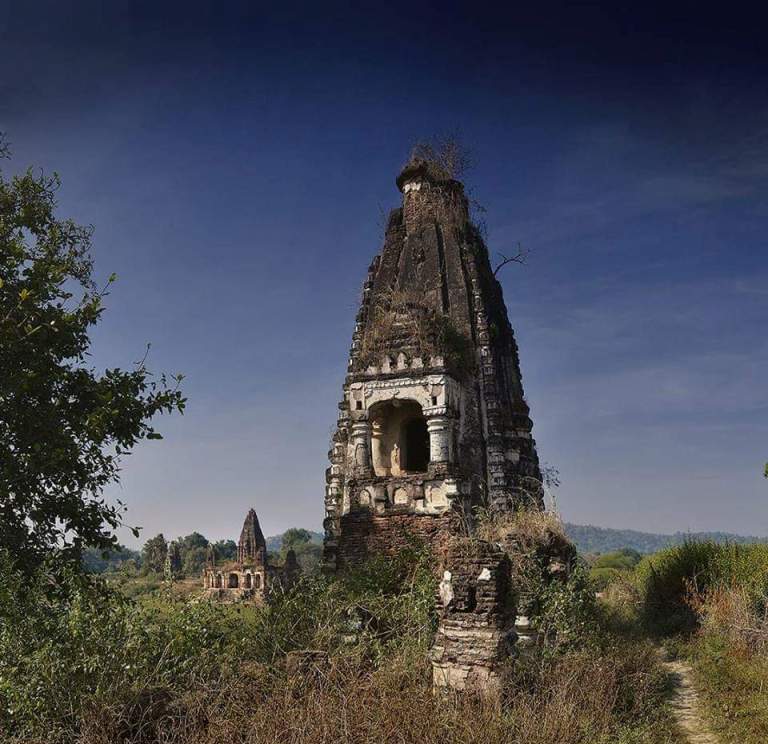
<point>399,438</point>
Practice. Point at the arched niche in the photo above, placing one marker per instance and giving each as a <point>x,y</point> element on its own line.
<point>399,438</point>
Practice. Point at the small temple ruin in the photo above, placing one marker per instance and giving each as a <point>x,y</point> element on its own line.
<point>433,420</point>
<point>250,576</point>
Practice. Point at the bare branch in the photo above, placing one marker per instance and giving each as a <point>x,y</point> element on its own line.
<point>520,257</point>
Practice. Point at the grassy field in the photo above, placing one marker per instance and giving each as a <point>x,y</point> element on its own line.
<point>93,666</point>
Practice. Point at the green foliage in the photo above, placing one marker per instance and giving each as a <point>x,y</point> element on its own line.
<point>602,578</point>
<point>608,568</point>
<point>105,647</point>
<point>64,427</point>
<point>380,604</point>
<point>193,550</point>
<point>308,553</point>
<point>567,616</point>
<point>193,561</point>
<point>296,536</point>
<point>112,651</point>
<point>225,550</point>
<point>168,670</point>
<point>275,542</point>
<point>192,541</point>
<point>153,554</point>
<point>623,559</point>
<point>734,688</point>
<point>667,579</point>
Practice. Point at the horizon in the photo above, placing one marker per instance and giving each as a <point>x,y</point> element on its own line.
<point>236,163</point>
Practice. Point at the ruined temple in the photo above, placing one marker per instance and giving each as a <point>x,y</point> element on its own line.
<point>250,576</point>
<point>433,420</point>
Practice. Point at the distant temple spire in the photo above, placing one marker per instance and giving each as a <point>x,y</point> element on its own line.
<point>252,547</point>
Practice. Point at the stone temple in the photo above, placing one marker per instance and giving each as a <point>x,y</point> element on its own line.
<point>250,576</point>
<point>433,420</point>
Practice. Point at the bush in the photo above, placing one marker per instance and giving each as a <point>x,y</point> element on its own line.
<point>668,579</point>
<point>173,671</point>
<point>623,560</point>
<point>602,578</point>
<point>110,649</point>
<point>567,615</point>
<point>665,581</point>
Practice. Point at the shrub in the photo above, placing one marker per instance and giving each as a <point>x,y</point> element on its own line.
<point>567,615</point>
<point>665,580</point>
<point>184,672</point>
<point>602,578</point>
<point>668,579</point>
<point>623,560</point>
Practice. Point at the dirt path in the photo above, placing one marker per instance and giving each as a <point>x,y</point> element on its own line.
<point>685,703</point>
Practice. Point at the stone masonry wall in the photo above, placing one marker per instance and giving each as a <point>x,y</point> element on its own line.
<point>476,633</point>
<point>364,534</point>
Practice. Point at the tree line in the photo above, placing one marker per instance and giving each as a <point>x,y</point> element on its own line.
<point>193,553</point>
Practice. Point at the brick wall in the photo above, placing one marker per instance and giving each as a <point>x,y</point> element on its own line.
<point>364,534</point>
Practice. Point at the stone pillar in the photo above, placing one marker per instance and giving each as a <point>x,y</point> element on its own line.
<point>361,447</point>
<point>476,634</point>
<point>380,464</point>
<point>440,438</point>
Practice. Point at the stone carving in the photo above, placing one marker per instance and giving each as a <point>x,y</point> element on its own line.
<point>400,496</point>
<point>396,457</point>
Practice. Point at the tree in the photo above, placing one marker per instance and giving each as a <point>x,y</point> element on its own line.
<point>153,554</point>
<point>193,561</point>
<point>64,428</point>
<point>308,554</point>
<point>193,550</point>
<point>225,550</point>
<point>296,536</point>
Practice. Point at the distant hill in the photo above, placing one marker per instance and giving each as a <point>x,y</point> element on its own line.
<point>590,539</point>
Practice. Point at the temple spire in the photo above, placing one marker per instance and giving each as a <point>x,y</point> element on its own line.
<point>252,547</point>
<point>433,413</point>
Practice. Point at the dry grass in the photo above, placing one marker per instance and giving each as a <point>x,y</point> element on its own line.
<point>402,320</point>
<point>579,699</point>
<point>730,658</point>
<point>525,527</point>
<point>731,613</point>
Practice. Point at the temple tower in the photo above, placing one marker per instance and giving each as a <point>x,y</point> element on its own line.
<point>433,420</point>
<point>252,547</point>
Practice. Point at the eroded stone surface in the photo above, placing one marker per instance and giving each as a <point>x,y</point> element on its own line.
<point>476,635</point>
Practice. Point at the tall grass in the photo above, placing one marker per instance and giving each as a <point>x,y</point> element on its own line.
<point>88,666</point>
<point>669,579</point>
<point>717,595</point>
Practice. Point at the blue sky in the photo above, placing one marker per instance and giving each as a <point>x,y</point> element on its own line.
<point>235,161</point>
